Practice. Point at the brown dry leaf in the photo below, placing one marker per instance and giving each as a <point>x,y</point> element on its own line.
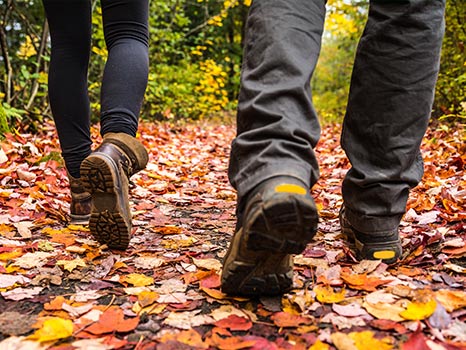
<point>343,341</point>
<point>385,311</point>
<point>208,264</point>
<point>189,337</point>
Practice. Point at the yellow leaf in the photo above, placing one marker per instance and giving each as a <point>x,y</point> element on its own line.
<point>365,341</point>
<point>53,329</point>
<point>419,310</point>
<point>27,49</point>
<point>146,298</point>
<point>326,294</point>
<point>137,279</point>
<point>70,265</point>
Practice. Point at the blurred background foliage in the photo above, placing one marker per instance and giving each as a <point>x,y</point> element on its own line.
<point>195,53</point>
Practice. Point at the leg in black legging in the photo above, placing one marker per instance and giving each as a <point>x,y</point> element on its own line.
<point>125,76</point>
<point>70,31</point>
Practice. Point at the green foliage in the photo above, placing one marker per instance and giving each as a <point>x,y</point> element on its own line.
<point>343,27</point>
<point>195,59</point>
<point>451,85</point>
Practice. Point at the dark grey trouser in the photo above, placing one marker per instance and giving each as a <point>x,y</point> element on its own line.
<point>389,106</point>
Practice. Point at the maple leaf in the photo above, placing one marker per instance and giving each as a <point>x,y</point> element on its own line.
<point>113,320</point>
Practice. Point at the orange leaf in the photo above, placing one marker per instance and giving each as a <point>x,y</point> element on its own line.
<point>55,304</point>
<point>168,230</point>
<point>211,281</point>
<point>285,319</point>
<point>235,323</point>
<point>113,320</point>
<point>361,281</point>
<point>189,337</point>
<point>230,343</point>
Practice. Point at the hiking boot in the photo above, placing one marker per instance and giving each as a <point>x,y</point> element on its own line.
<point>384,245</point>
<point>105,173</point>
<point>80,206</point>
<point>279,219</point>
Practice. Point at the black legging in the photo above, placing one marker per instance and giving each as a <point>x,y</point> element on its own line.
<point>124,78</point>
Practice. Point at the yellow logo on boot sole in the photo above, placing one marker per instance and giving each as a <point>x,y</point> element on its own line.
<point>290,188</point>
<point>384,254</point>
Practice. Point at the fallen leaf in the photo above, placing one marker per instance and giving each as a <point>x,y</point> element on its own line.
<point>326,294</point>
<point>22,293</point>
<point>234,323</point>
<point>137,279</point>
<point>451,299</point>
<point>70,265</point>
<point>112,320</point>
<point>52,329</point>
<point>419,310</point>
<point>285,319</point>
<point>187,319</point>
<point>362,281</point>
<point>208,264</point>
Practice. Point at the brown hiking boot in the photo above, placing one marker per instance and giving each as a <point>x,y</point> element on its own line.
<point>383,245</point>
<point>80,206</point>
<point>105,173</point>
<point>279,219</point>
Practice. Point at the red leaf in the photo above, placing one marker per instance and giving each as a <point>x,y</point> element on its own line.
<point>234,323</point>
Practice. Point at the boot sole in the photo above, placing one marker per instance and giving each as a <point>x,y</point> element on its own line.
<point>240,282</point>
<point>79,219</point>
<point>255,277</point>
<point>108,222</point>
<point>389,251</point>
<point>285,223</point>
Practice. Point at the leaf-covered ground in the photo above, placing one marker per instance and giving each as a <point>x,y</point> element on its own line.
<point>61,290</point>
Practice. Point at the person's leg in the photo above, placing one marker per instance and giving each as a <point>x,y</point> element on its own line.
<point>390,101</point>
<point>107,170</point>
<point>70,32</point>
<point>126,70</point>
<point>272,163</point>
